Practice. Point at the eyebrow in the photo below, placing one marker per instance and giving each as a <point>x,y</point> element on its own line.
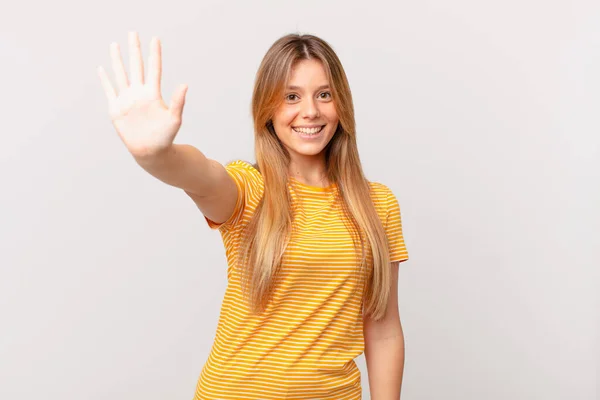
<point>292,87</point>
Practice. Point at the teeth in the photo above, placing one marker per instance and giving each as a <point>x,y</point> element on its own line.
<point>308,130</point>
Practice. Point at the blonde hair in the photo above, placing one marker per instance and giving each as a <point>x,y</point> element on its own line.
<point>267,234</point>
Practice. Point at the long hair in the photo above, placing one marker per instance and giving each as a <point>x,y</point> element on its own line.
<point>267,234</point>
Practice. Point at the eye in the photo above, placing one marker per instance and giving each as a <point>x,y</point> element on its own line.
<point>287,97</point>
<point>328,95</point>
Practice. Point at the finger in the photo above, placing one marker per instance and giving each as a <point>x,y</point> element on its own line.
<point>155,65</point>
<point>109,90</point>
<point>136,65</point>
<point>118,67</point>
<point>178,101</point>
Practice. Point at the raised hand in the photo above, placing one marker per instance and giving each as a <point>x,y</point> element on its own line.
<point>136,108</point>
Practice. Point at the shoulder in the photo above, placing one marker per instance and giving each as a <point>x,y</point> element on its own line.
<point>242,165</point>
<point>383,198</point>
<point>244,170</point>
<point>380,192</point>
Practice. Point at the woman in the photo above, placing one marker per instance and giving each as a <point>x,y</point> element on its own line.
<point>312,246</point>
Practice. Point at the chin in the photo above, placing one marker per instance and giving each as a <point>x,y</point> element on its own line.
<point>312,149</point>
<point>308,153</point>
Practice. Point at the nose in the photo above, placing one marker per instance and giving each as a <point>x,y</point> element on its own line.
<point>310,109</point>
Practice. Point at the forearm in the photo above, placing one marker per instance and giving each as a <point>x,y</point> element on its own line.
<point>182,166</point>
<point>385,367</point>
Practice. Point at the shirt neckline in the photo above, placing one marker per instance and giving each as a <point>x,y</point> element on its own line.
<point>329,188</point>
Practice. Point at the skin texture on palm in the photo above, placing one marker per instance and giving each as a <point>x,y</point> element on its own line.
<point>148,127</point>
<point>145,124</point>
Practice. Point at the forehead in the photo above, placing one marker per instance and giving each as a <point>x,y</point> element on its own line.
<point>308,74</point>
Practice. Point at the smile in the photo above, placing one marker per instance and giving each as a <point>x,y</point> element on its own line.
<point>307,132</point>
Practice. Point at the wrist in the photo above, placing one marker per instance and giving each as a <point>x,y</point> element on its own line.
<point>154,157</point>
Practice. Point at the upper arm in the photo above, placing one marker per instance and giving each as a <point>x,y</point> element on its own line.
<point>393,228</point>
<point>241,186</point>
<point>390,324</point>
<point>219,205</point>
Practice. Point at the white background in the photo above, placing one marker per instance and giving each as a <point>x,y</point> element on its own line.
<point>482,117</point>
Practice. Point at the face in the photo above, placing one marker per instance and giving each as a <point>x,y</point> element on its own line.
<point>307,119</point>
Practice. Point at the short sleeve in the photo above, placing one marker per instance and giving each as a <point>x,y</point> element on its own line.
<point>393,229</point>
<point>249,183</point>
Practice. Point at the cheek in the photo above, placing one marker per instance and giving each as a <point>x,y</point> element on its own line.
<point>283,119</point>
<point>331,113</point>
<point>287,116</point>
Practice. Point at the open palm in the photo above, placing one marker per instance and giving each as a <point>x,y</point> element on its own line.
<point>143,121</point>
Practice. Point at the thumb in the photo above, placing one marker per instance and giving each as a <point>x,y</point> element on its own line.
<point>178,101</point>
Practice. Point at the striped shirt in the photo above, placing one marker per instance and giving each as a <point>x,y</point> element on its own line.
<point>304,344</point>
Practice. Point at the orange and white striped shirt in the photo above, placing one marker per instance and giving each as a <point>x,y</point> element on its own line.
<point>304,344</point>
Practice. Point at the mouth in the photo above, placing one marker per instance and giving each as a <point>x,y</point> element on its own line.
<point>309,132</point>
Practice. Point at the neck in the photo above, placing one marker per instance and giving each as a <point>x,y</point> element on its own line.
<point>309,172</point>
